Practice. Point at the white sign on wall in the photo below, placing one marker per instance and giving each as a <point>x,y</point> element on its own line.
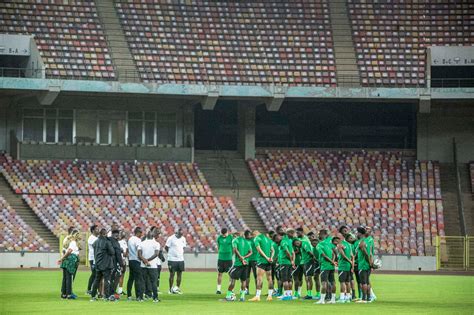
<point>15,45</point>
<point>452,56</point>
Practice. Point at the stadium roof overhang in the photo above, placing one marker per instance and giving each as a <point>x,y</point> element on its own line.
<point>273,96</point>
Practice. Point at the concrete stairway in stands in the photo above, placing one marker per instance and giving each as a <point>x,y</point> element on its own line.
<point>119,50</point>
<point>467,197</point>
<point>450,201</point>
<point>347,72</point>
<point>210,164</point>
<point>25,212</point>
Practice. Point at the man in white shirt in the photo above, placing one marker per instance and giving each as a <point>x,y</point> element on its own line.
<point>124,246</point>
<point>148,252</point>
<point>134,264</point>
<point>175,245</point>
<point>90,255</point>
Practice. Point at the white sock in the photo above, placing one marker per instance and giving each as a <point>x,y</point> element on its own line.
<point>270,292</point>
<point>299,291</point>
<point>119,290</point>
<point>323,297</point>
<point>258,292</point>
<point>289,293</point>
<point>333,297</point>
<point>372,292</point>
<point>218,287</point>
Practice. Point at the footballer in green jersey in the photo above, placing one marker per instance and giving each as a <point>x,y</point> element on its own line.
<point>364,262</point>
<point>286,260</point>
<point>224,258</point>
<point>265,251</point>
<point>345,267</point>
<point>249,236</point>
<point>242,251</point>
<point>327,258</point>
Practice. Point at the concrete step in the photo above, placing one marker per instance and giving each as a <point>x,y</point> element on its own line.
<point>27,214</point>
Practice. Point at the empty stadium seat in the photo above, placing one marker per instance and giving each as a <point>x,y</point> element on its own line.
<point>16,234</point>
<point>68,35</point>
<point>222,42</point>
<point>201,217</point>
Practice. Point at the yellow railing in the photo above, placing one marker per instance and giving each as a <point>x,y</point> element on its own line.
<point>454,252</point>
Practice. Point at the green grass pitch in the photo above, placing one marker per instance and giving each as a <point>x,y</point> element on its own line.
<point>27,291</point>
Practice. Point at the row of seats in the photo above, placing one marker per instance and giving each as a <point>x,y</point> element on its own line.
<point>16,235</point>
<point>407,227</point>
<point>201,217</point>
<point>345,174</point>
<point>238,42</point>
<point>105,178</point>
<point>391,37</point>
<point>68,35</point>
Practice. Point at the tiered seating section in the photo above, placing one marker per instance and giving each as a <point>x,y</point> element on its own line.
<point>391,37</point>
<point>82,193</point>
<point>16,234</point>
<point>201,217</point>
<point>231,42</point>
<point>105,178</point>
<point>400,199</point>
<point>68,35</point>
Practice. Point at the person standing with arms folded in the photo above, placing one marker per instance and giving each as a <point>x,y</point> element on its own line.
<point>224,260</point>
<point>69,262</point>
<point>148,252</point>
<point>135,275</point>
<point>175,245</point>
<point>94,229</point>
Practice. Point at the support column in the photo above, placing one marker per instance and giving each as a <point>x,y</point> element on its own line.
<point>246,134</point>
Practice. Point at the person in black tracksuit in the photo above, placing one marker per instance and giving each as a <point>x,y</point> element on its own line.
<point>104,263</point>
<point>117,261</point>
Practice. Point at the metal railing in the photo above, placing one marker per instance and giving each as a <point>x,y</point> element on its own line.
<point>232,180</point>
<point>332,144</point>
<point>151,76</point>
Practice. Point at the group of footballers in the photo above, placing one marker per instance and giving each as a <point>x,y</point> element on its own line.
<point>287,257</point>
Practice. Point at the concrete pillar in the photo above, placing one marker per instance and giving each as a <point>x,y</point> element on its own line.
<point>246,133</point>
<point>5,123</point>
<point>188,128</point>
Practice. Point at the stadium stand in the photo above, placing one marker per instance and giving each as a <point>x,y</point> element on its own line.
<point>400,198</point>
<point>345,174</point>
<point>239,42</point>
<point>201,217</point>
<point>16,234</point>
<point>68,35</point>
<point>391,37</point>
<point>404,227</point>
<point>105,178</point>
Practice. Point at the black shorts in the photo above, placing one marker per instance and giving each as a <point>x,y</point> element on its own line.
<point>309,269</point>
<point>364,276</point>
<point>317,268</point>
<point>298,273</point>
<point>176,266</point>
<point>285,273</point>
<point>223,265</point>
<point>266,267</point>
<point>252,267</point>
<point>238,273</point>
<point>327,276</point>
<point>344,276</point>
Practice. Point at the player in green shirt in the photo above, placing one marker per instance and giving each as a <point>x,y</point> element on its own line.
<point>364,262</point>
<point>317,267</point>
<point>286,260</point>
<point>307,261</point>
<point>224,258</point>
<point>276,244</point>
<point>252,268</point>
<point>370,241</point>
<point>299,271</point>
<point>265,252</point>
<point>345,267</point>
<point>328,262</point>
<point>242,251</point>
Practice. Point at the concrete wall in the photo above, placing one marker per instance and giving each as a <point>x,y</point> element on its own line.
<point>246,131</point>
<point>209,261</point>
<point>436,130</point>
